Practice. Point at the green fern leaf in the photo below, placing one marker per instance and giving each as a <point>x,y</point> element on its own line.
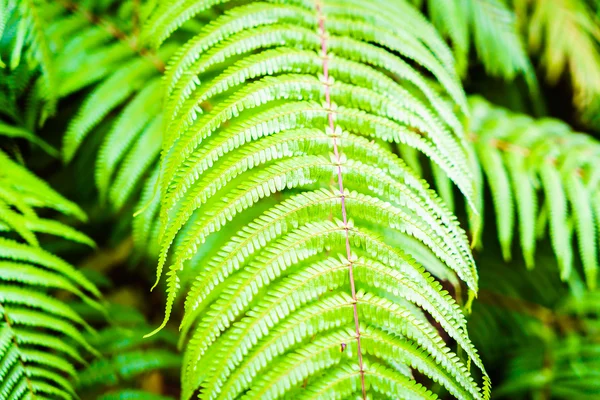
<point>538,161</point>
<point>552,28</point>
<point>40,336</point>
<point>492,28</point>
<point>107,96</point>
<point>33,23</point>
<point>125,78</point>
<point>126,357</point>
<point>12,131</point>
<point>276,119</point>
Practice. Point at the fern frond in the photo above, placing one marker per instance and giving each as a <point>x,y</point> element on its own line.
<point>491,28</point>
<point>29,83</point>
<point>126,79</point>
<point>140,112</point>
<point>33,20</point>
<point>538,168</point>
<point>23,190</point>
<point>553,27</point>
<point>40,336</point>
<point>125,357</point>
<point>277,118</point>
<point>85,50</point>
<point>89,50</point>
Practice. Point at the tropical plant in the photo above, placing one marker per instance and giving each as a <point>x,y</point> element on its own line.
<point>545,174</point>
<point>274,159</point>
<point>40,336</point>
<point>566,36</point>
<point>550,342</point>
<point>492,29</point>
<point>130,367</point>
<point>302,124</point>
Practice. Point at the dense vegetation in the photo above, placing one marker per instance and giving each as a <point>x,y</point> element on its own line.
<point>333,198</point>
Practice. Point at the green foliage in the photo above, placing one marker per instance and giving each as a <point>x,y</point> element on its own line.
<point>101,57</point>
<point>118,75</point>
<point>491,28</point>
<point>126,357</point>
<point>566,36</point>
<point>40,335</point>
<point>546,175</point>
<point>296,101</point>
<point>550,333</point>
<point>572,372</point>
<point>563,34</point>
<point>23,23</point>
<point>125,96</point>
<point>276,156</point>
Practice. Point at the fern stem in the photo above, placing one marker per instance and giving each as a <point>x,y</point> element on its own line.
<point>323,37</point>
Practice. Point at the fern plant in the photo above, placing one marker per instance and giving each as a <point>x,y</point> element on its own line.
<point>40,335</point>
<point>130,367</point>
<point>562,36</point>
<point>92,58</point>
<point>22,26</point>
<point>117,59</point>
<point>550,331</point>
<point>125,96</point>
<point>566,36</point>
<point>491,28</point>
<point>543,173</point>
<point>121,71</point>
<point>314,295</point>
<point>276,155</point>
